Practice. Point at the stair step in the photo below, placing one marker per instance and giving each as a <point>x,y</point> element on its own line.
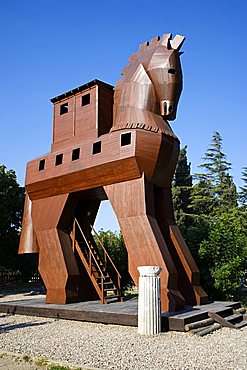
<point>241,324</point>
<point>234,318</point>
<point>97,272</point>
<point>107,284</point>
<point>95,268</point>
<point>112,296</point>
<point>224,312</point>
<point>108,281</point>
<point>240,310</point>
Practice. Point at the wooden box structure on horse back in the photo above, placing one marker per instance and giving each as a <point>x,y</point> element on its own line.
<point>117,145</point>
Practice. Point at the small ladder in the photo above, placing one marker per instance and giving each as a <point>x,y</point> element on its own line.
<point>87,250</point>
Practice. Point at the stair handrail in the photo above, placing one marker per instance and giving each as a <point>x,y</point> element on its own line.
<point>91,254</point>
<point>106,253</point>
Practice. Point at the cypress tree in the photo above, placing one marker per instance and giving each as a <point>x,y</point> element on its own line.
<point>181,191</point>
<point>243,189</point>
<point>215,190</point>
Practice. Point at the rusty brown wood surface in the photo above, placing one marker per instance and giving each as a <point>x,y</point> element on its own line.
<point>115,145</point>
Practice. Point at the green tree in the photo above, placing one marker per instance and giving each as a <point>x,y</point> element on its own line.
<point>11,207</point>
<point>192,229</point>
<point>114,244</point>
<point>181,191</point>
<point>224,252</point>
<point>243,189</point>
<point>215,191</point>
<point>202,200</point>
<point>215,234</point>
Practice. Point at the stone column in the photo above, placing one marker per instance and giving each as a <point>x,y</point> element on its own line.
<point>149,312</point>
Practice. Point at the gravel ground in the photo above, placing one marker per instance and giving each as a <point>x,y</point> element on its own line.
<point>119,347</point>
<point>90,345</point>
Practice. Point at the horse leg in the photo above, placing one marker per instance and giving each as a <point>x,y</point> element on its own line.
<point>188,273</point>
<point>57,265</point>
<point>133,204</point>
<point>28,240</point>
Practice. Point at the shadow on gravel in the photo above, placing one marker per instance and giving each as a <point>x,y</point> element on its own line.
<point>5,328</point>
<point>21,288</point>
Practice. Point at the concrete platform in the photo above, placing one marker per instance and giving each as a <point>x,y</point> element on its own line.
<point>120,313</point>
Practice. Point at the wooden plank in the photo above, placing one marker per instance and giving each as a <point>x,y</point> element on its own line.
<point>241,310</point>
<point>115,313</point>
<point>220,320</point>
<point>178,321</point>
<point>198,324</point>
<point>104,317</point>
<point>241,324</point>
<point>209,330</point>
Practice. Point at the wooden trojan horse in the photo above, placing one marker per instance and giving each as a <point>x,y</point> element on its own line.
<point>118,147</point>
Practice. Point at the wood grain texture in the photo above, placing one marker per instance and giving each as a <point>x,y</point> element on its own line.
<point>144,241</point>
<point>119,147</point>
<point>83,122</point>
<point>57,264</point>
<point>28,240</point>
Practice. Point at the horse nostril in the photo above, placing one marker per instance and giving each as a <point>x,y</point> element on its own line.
<point>165,108</point>
<point>170,108</point>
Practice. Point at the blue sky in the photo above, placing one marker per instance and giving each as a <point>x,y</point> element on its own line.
<point>48,47</point>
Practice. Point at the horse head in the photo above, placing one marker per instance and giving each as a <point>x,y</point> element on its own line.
<point>152,81</point>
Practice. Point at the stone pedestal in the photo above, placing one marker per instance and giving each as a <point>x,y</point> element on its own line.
<point>149,313</point>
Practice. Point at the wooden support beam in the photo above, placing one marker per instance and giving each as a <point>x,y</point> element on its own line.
<point>220,320</point>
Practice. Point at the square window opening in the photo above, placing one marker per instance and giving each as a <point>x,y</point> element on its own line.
<point>75,154</point>
<point>126,139</point>
<point>85,100</point>
<point>42,165</point>
<point>64,108</point>
<point>59,159</point>
<point>97,147</point>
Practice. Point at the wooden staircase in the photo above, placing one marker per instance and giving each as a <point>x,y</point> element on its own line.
<point>225,317</point>
<point>107,289</point>
<point>205,319</point>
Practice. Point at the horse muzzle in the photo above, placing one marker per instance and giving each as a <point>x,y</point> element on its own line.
<point>167,109</point>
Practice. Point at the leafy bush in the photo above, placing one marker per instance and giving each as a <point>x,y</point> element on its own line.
<point>224,253</point>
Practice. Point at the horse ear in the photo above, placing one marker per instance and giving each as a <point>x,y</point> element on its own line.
<point>177,42</point>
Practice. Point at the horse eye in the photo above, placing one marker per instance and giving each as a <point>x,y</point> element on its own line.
<point>172,71</point>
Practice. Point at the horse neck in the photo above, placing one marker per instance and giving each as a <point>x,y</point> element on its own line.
<point>136,104</point>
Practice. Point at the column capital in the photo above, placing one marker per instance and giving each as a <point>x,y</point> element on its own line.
<point>149,270</point>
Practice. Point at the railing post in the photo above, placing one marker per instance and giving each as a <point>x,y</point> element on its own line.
<point>73,237</point>
<point>90,262</point>
<point>102,289</point>
<point>119,284</point>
